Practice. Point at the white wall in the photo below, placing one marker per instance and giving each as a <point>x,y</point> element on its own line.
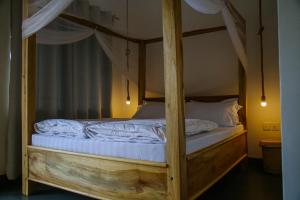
<point>256,115</point>
<point>289,48</point>
<point>4,61</point>
<point>200,53</point>
<point>205,54</point>
<point>210,65</point>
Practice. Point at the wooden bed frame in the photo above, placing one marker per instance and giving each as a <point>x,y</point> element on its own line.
<point>181,177</point>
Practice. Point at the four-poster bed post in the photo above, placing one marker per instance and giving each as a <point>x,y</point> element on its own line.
<point>181,177</point>
<point>28,99</point>
<point>174,95</point>
<point>28,102</point>
<point>142,73</point>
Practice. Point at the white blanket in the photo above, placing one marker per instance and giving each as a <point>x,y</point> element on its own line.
<point>142,131</point>
<point>148,131</point>
<point>62,127</point>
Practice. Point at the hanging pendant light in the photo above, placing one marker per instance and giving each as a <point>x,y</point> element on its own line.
<point>127,53</point>
<point>128,94</point>
<point>263,102</point>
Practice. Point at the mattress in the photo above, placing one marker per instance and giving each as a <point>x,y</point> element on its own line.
<point>137,151</point>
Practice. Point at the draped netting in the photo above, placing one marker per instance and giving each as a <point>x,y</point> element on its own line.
<point>217,6</point>
<point>58,31</point>
<point>51,29</point>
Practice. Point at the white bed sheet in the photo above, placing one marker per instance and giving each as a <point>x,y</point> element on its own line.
<point>138,151</point>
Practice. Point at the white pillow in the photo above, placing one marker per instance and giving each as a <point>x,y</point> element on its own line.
<point>235,109</point>
<point>224,113</point>
<point>150,110</point>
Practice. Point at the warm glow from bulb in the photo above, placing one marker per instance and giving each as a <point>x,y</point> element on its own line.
<point>263,104</point>
<point>128,102</point>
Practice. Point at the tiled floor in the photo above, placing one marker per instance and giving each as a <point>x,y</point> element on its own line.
<point>250,183</point>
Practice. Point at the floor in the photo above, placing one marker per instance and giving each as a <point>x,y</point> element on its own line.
<point>243,183</point>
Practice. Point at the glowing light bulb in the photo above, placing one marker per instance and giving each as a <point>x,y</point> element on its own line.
<point>128,102</point>
<point>263,104</point>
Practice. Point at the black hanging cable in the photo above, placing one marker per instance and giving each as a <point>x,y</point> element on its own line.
<point>127,54</point>
<point>260,33</point>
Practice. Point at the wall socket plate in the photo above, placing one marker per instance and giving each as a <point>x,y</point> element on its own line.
<point>271,126</point>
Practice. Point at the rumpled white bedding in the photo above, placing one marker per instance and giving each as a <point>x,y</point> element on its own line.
<point>60,127</point>
<point>142,131</point>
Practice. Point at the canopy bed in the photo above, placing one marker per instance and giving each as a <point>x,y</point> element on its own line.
<point>179,175</point>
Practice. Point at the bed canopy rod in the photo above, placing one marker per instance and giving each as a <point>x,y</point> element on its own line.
<point>190,33</point>
<point>97,27</point>
<point>103,29</point>
<point>235,12</point>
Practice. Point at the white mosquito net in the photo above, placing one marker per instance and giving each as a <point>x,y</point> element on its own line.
<point>51,29</point>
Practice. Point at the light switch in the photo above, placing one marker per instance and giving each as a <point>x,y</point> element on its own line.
<point>271,126</point>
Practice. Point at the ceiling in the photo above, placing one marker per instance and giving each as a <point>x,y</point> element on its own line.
<point>145,17</point>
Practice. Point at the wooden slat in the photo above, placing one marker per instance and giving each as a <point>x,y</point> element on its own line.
<point>216,145</point>
<point>190,33</point>
<point>173,71</point>
<point>107,158</point>
<point>98,27</point>
<point>197,98</point>
<point>97,177</point>
<point>142,73</point>
<point>209,165</point>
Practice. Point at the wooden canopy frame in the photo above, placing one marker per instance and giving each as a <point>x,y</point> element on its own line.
<point>181,177</point>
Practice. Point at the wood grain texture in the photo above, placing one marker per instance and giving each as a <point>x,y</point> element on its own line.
<point>28,103</point>
<point>97,177</point>
<point>102,177</point>
<point>142,73</point>
<point>25,139</point>
<point>173,71</point>
<point>28,98</point>
<point>206,167</point>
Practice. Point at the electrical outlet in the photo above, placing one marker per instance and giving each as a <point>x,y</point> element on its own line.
<point>271,126</point>
<point>276,127</point>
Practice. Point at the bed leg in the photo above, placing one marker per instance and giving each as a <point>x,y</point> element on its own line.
<point>25,187</point>
<point>28,187</point>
